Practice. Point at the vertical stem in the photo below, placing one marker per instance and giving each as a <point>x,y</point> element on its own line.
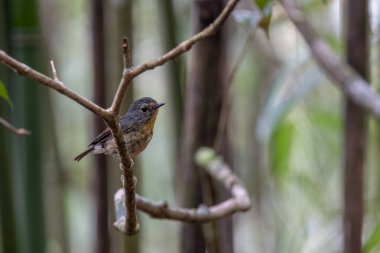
<point>205,89</point>
<point>100,175</point>
<point>355,131</point>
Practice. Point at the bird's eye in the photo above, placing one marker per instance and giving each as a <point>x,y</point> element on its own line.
<point>144,109</point>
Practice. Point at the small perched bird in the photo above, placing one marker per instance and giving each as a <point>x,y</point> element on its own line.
<point>137,126</point>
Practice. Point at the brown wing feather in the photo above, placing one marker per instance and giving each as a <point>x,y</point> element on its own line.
<point>102,137</point>
<point>126,126</point>
<point>106,134</point>
<point>83,154</point>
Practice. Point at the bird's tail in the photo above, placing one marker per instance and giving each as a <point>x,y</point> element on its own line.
<point>83,154</point>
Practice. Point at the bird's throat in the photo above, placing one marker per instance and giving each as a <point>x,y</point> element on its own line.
<point>152,120</point>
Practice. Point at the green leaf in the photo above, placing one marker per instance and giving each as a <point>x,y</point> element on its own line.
<point>256,17</point>
<point>262,3</point>
<point>327,121</point>
<point>373,240</point>
<point>265,23</point>
<point>291,85</point>
<point>4,94</point>
<point>281,146</point>
<point>265,7</point>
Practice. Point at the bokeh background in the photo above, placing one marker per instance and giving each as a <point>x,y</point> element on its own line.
<point>284,126</point>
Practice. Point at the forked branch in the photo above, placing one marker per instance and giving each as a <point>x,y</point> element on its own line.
<point>110,116</point>
<point>220,171</point>
<point>24,70</point>
<point>184,46</point>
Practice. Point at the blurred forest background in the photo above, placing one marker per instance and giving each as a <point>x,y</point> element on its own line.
<point>282,127</point>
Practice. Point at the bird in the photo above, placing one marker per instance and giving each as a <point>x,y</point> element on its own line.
<point>137,126</point>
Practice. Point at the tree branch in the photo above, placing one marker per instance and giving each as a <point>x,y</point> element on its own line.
<point>18,131</point>
<point>126,163</point>
<point>220,171</point>
<point>110,116</point>
<point>129,74</point>
<point>342,75</point>
<point>131,225</point>
<point>24,70</point>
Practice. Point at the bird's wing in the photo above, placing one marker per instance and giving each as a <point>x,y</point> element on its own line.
<point>128,123</point>
<point>102,137</point>
<point>126,126</point>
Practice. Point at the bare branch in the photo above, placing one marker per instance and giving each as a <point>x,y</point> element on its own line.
<point>131,225</point>
<point>342,75</point>
<point>220,171</point>
<point>110,116</point>
<point>127,57</point>
<point>18,131</point>
<point>125,79</point>
<point>183,47</point>
<point>24,70</point>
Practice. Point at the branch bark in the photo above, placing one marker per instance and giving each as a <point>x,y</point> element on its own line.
<point>110,115</point>
<point>18,131</point>
<point>355,137</point>
<point>183,47</point>
<point>220,171</point>
<point>126,163</point>
<point>24,70</point>
<point>342,75</point>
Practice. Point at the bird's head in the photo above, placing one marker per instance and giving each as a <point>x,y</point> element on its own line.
<point>144,110</point>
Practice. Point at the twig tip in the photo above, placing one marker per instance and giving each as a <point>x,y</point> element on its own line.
<point>22,131</point>
<point>204,156</point>
<point>54,70</point>
<point>125,45</point>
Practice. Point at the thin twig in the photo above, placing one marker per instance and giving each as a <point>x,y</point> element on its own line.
<point>127,57</point>
<point>24,70</point>
<point>172,54</point>
<point>110,116</point>
<point>18,131</point>
<point>131,225</point>
<point>53,69</point>
<point>342,75</point>
<point>206,158</point>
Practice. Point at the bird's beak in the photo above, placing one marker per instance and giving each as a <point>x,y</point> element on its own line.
<point>158,106</point>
